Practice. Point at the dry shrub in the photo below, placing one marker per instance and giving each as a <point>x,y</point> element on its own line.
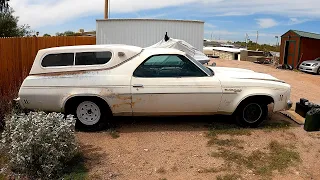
<point>39,145</point>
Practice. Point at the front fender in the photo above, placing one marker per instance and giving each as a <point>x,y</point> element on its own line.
<point>231,100</point>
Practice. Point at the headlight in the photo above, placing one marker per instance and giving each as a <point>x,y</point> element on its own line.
<point>316,64</point>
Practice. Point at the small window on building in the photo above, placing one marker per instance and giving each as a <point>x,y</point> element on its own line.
<point>93,58</point>
<point>56,60</point>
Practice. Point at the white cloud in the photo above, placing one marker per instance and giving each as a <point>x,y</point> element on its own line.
<point>209,25</point>
<point>294,21</point>
<point>39,13</point>
<point>220,32</point>
<point>266,23</point>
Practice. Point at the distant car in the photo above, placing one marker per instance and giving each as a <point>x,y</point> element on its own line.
<point>97,82</point>
<point>312,66</point>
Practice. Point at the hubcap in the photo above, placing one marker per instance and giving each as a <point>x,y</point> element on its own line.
<point>252,113</point>
<point>88,113</point>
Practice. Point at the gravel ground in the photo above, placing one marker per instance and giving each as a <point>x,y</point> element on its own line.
<point>176,149</point>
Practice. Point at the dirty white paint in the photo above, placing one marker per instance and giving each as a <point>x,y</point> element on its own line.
<point>218,94</point>
<point>147,32</point>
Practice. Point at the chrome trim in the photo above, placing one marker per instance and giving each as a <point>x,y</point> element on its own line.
<point>264,79</point>
<point>289,105</point>
<point>181,93</point>
<point>137,86</point>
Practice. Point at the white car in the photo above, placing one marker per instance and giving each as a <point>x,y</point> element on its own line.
<point>312,66</point>
<point>97,82</point>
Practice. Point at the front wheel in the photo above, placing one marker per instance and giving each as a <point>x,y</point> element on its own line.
<point>252,114</point>
<point>319,71</point>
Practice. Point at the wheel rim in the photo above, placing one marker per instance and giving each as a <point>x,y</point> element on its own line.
<point>252,113</point>
<point>88,113</point>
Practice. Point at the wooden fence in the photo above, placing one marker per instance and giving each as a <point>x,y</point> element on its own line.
<point>17,56</point>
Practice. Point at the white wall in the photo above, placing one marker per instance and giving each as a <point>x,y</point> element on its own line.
<point>146,32</point>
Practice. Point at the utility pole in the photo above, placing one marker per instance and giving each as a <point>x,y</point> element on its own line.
<point>277,43</point>
<point>257,40</point>
<point>246,40</point>
<point>109,8</point>
<point>106,9</point>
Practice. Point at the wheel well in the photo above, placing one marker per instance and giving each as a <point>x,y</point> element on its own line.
<point>258,98</point>
<point>70,103</point>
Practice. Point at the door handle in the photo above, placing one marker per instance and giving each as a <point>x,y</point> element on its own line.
<point>138,86</point>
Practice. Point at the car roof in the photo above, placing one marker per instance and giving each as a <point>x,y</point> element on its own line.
<point>92,47</point>
<point>163,51</point>
<point>119,47</point>
<point>129,51</point>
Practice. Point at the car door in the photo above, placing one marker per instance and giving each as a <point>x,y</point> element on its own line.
<point>173,85</point>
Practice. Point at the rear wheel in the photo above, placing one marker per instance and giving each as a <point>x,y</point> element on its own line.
<point>252,114</point>
<point>91,114</point>
<point>88,113</point>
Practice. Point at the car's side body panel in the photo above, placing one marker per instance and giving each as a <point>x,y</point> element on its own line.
<point>173,96</point>
<point>51,93</point>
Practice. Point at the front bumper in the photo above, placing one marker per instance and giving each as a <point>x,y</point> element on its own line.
<point>311,69</point>
<point>289,105</point>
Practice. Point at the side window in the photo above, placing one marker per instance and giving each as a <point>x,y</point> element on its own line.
<point>93,58</point>
<point>54,60</point>
<point>168,66</point>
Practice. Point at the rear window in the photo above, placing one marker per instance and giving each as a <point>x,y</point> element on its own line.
<point>53,60</point>
<point>93,58</point>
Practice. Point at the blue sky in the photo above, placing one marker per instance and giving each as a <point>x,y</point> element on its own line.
<point>224,19</point>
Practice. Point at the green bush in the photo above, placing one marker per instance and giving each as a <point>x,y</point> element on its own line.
<point>39,145</point>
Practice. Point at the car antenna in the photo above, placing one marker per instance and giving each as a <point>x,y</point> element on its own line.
<point>166,37</point>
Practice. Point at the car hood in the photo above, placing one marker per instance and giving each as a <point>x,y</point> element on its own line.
<point>311,62</point>
<point>237,73</point>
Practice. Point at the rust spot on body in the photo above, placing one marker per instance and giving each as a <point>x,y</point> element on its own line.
<point>123,97</point>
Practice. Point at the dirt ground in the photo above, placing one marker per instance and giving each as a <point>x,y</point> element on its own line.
<point>177,149</point>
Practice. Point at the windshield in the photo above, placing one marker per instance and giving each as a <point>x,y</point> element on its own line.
<point>318,59</point>
<point>205,69</point>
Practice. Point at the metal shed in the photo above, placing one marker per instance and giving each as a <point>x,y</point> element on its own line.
<point>298,46</point>
<point>146,32</point>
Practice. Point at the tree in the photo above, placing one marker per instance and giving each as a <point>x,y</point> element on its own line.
<point>262,47</point>
<point>59,34</point>
<point>4,5</point>
<point>9,25</point>
<point>46,35</point>
<point>67,33</point>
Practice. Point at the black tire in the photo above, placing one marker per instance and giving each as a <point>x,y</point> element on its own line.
<point>98,122</point>
<point>318,71</point>
<point>251,113</point>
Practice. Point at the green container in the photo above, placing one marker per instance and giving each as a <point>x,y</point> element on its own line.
<point>312,122</point>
